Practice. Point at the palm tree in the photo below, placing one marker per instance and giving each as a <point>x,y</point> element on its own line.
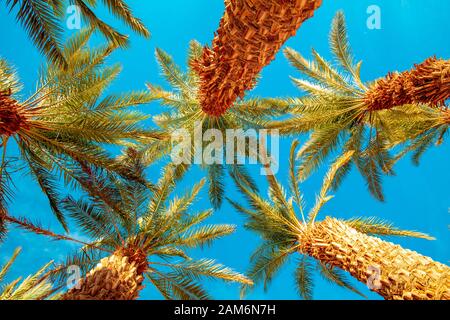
<point>249,36</point>
<point>186,113</point>
<point>67,122</point>
<point>335,245</point>
<point>138,233</point>
<point>342,112</point>
<point>35,287</point>
<point>41,19</point>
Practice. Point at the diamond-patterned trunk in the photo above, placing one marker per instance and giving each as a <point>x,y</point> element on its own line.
<point>250,34</point>
<point>391,271</point>
<point>427,83</point>
<point>117,277</point>
<point>11,115</point>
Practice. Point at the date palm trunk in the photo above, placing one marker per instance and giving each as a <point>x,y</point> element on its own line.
<point>250,34</point>
<point>117,277</point>
<point>11,117</point>
<point>427,83</point>
<point>388,269</point>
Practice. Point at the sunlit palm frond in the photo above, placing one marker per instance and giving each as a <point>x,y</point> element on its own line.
<point>69,120</point>
<point>379,227</point>
<point>41,21</point>
<point>34,287</point>
<point>304,278</point>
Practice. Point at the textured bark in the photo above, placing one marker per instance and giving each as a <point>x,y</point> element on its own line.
<point>403,274</point>
<point>428,83</point>
<point>250,34</point>
<point>117,277</point>
<point>11,115</point>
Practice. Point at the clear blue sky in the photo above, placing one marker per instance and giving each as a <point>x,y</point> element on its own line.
<point>417,198</point>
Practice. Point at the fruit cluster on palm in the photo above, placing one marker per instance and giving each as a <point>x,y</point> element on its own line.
<point>139,233</point>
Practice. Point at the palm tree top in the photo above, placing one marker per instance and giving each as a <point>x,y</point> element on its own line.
<point>281,219</point>
<point>68,120</point>
<point>342,112</point>
<point>148,226</point>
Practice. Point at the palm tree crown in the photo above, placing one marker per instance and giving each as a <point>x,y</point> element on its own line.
<point>343,113</point>
<point>68,120</point>
<point>149,228</point>
<point>330,245</point>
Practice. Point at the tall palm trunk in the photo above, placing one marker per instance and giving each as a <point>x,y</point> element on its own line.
<point>117,277</point>
<point>11,118</point>
<point>249,36</point>
<point>427,83</point>
<point>394,272</point>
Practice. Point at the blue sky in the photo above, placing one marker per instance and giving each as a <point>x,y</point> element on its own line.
<point>417,198</point>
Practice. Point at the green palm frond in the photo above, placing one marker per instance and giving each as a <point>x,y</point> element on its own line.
<point>43,22</point>
<point>174,286</point>
<point>160,225</point>
<point>337,276</point>
<point>122,11</point>
<point>193,269</point>
<point>304,278</point>
<point>205,235</point>
<point>378,227</point>
<point>69,121</point>
<point>9,79</point>
<point>341,48</point>
<point>266,263</point>
<point>216,175</point>
<point>334,111</point>
<point>323,196</point>
<point>34,287</point>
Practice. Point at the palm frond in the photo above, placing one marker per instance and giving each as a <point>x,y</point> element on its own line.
<point>323,196</point>
<point>337,276</point>
<point>379,227</point>
<point>34,287</point>
<point>341,48</point>
<point>42,25</point>
<point>303,278</point>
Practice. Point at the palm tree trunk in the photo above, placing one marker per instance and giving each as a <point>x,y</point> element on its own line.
<point>427,83</point>
<point>249,36</point>
<point>11,119</point>
<point>117,277</point>
<point>388,269</point>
